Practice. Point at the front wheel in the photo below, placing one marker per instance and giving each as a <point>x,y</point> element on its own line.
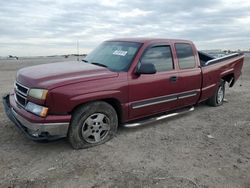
<point>92,124</point>
<point>218,97</point>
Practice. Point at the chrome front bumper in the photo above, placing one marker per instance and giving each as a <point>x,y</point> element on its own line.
<point>35,131</point>
<point>39,128</point>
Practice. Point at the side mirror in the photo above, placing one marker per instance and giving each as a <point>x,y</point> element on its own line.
<point>147,68</point>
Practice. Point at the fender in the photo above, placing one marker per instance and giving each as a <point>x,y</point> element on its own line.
<point>115,95</point>
<point>224,73</point>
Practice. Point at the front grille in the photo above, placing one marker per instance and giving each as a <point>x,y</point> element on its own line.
<point>21,93</point>
<point>22,89</point>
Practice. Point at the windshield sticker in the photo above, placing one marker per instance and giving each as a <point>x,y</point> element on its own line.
<point>120,52</point>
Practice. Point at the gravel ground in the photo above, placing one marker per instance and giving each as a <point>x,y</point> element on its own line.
<point>205,148</point>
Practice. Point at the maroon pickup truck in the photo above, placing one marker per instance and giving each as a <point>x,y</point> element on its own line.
<point>123,81</point>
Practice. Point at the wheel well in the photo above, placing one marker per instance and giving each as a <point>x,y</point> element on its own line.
<point>117,106</point>
<point>229,78</point>
<point>113,102</point>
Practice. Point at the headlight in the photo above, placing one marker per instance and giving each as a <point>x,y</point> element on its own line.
<point>36,109</point>
<point>38,93</point>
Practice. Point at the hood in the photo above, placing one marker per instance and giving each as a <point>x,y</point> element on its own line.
<point>53,75</point>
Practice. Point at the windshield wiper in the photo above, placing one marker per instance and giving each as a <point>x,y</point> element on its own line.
<point>99,64</point>
<point>94,63</point>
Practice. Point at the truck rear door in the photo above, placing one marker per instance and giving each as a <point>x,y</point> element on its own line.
<point>189,74</point>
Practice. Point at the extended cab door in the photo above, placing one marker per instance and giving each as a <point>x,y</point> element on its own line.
<point>153,93</point>
<point>190,75</point>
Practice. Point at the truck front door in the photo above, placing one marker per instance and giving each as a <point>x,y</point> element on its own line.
<point>154,93</point>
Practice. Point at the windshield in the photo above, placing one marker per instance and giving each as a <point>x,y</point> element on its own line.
<point>116,56</point>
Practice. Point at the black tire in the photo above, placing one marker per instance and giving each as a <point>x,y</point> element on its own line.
<point>218,97</point>
<point>86,122</point>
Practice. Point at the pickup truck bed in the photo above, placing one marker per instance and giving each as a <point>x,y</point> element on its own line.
<point>227,68</point>
<point>206,59</point>
<point>121,81</point>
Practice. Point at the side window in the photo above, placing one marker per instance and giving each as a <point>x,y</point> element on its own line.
<point>160,56</point>
<point>185,56</point>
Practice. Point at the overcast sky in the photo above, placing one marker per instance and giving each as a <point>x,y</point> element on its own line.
<point>43,27</point>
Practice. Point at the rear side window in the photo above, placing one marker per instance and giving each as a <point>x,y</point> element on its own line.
<point>185,56</point>
<point>160,56</point>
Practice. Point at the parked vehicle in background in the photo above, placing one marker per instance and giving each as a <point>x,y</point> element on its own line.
<point>123,81</point>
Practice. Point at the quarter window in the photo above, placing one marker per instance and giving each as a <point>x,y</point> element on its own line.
<point>185,56</point>
<point>160,57</point>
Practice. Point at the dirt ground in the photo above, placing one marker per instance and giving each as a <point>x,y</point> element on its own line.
<point>209,147</point>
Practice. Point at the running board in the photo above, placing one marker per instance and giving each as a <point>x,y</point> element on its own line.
<point>161,117</point>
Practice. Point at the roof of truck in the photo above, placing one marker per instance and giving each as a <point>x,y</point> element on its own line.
<point>149,40</point>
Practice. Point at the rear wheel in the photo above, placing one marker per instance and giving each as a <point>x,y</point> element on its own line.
<point>92,124</point>
<point>218,97</point>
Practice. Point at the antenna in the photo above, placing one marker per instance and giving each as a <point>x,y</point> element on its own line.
<point>77,46</point>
